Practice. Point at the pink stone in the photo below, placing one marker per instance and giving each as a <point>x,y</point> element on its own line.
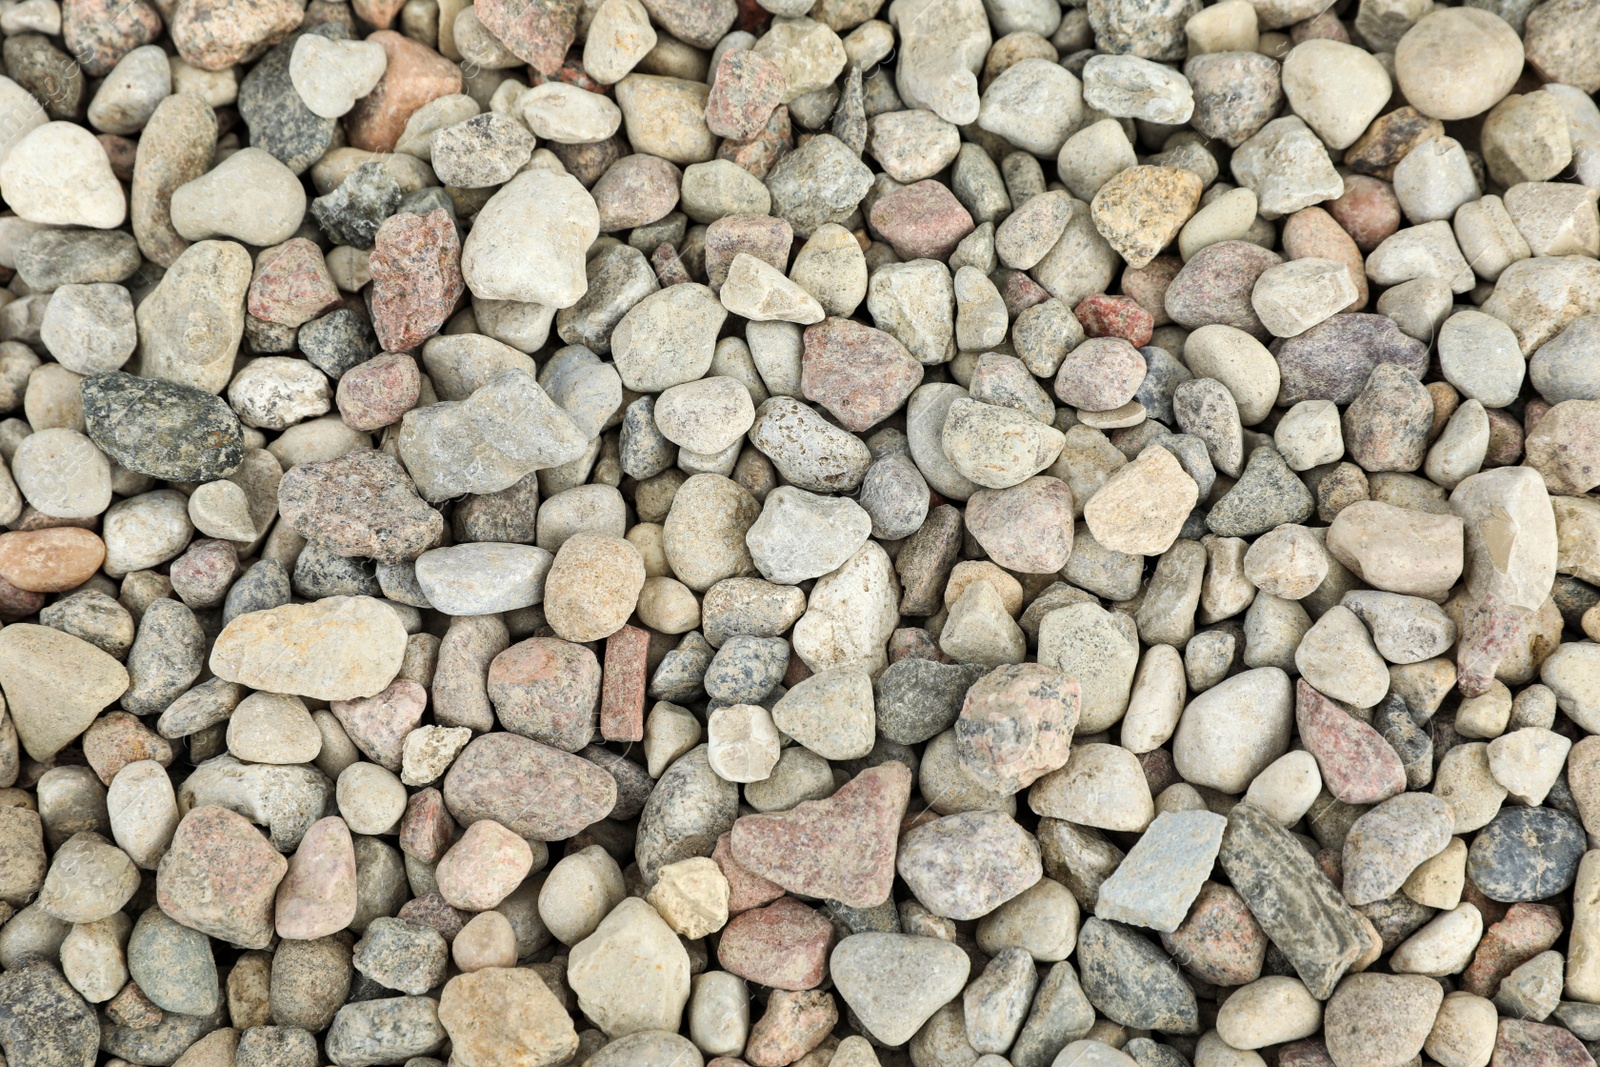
<point>317,896</point>
<point>923,220</point>
<point>201,575</point>
<point>217,34</point>
<point>1101,374</point>
<point>415,75</point>
<point>219,876</point>
<point>1526,931</point>
<point>483,868</point>
<point>117,739</point>
<point>426,829</point>
<point>1219,942</point>
<point>1115,316</point>
<point>1016,725</point>
<point>1521,1043</point>
<point>1368,210</point>
<point>841,847</point>
<point>547,689</point>
<point>860,375</point>
<point>97,33</point>
<point>622,693</point>
<point>745,90</point>
<point>291,285</point>
<point>416,277</point>
<point>378,392</point>
<point>433,912</point>
<point>746,889</point>
<point>793,1025</point>
<point>758,154</point>
<point>1358,766</point>
<point>1304,1054</point>
<point>1026,528</point>
<point>541,793</point>
<point>379,724</point>
<point>538,32</point>
<point>783,945</point>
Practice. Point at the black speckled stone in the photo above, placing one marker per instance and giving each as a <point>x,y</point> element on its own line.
<point>678,678</point>
<point>352,213</point>
<point>918,698</point>
<point>880,918</point>
<point>1267,494</point>
<point>1162,374</point>
<point>1526,854</point>
<point>279,121</point>
<point>1413,744</point>
<point>43,1020</point>
<point>633,781</point>
<point>746,669</point>
<point>265,585</point>
<point>320,572</point>
<point>168,431</point>
<point>1132,982</point>
<point>338,341</point>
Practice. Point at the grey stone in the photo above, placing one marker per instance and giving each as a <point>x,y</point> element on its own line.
<point>1131,981</point>
<point>1160,877</point>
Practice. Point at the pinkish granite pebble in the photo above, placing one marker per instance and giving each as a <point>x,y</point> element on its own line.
<point>416,278</point>
<point>922,221</point>
<point>1101,374</point>
<point>1215,287</point>
<point>793,1025</point>
<point>1368,210</point>
<point>97,33</point>
<point>623,689</point>
<point>379,724</point>
<point>415,75</point>
<point>1115,316</point>
<point>538,32</point>
<point>746,889</point>
<point>378,392</point>
<point>291,285</point>
<point>841,848</point>
<point>317,896</point>
<point>483,867</point>
<point>745,89</point>
<point>860,375</point>
<point>1026,528</point>
<point>634,191</point>
<point>216,34</point>
<point>783,945</point>
<point>1358,765</point>
<point>426,829</point>
<point>219,876</point>
<point>1016,725</point>
<point>547,689</point>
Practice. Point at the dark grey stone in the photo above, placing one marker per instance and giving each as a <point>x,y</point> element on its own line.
<point>402,955</point>
<point>919,698</point>
<point>678,677</point>
<point>321,572</point>
<point>1131,981</point>
<point>43,1020</point>
<point>49,259</point>
<point>352,213</point>
<point>1526,854</point>
<point>1267,494</point>
<point>279,121</point>
<point>163,429</point>
<point>159,1045</point>
<point>690,807</point>
<point>166,657</point>
<point>338,341</point>
<point>265,585</point>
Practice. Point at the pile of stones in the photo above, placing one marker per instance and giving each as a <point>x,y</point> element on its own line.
<point>739,533</point>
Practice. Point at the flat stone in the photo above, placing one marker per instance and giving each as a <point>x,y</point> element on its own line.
<point>1156,883</point>
<point>338,648</point>
<point>55,684</point>
<point>474,1010</point>
<point>1358,765</point>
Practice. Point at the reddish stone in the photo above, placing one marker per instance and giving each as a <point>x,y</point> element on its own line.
<point>217,34</point>
<point>1331,863</point>
<point>765,237</point>
<point>1358,765</point>
<point>1101,315</point>
<point>379,14</point>
<point>1520,1043</point>
<point>378,724</point>
<point>483,867</point>
<point>668,267</point>
<point>1368,210</point>
<point>50,560</point>
<point>547,689</point>
<point>201,575</point>
<point>426,829</point>
<point>1312,233</point>
<point>538,32</point>
<point>379,392</point>
<point>123,152</point>
<point>746,88</point>
<point>796,672</point>
<point>571,72</point>
<point>1159,770</point>
<point>97,33</point>
<point>433,912</point>
<point>913,642</point>
<point>923,220</point>
<point>1489,630</point>
<point>416,278</point>
<point>1304,1054</point>
<point>1016,725</point>
<point>758,154</point>
<point>131,1008</point>
<point>18,603</point>
<point>1019,292</point>
<point>753,18</point>
<point>783,945</point>
<point>291,285</point>
<point>317,896</point>
<point>841,847</point>
<point>746,889</point>
<point>859,374</point>
<point>793,1025</point>
<point>1505,439</point>
<point>219,876</point>
<point>416,75</point>
<point>1219,941</point>
<point>1526,931</point>
<point>622,695</point>
<point>117,739</point>
<point>1147,285</point>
